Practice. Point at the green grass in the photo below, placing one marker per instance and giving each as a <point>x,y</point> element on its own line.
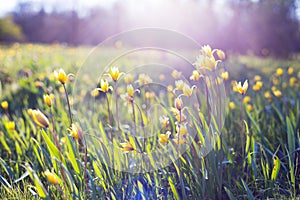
<point>16,192</point>
<point>256,156</point>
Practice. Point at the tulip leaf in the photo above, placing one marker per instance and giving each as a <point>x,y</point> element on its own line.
<point>72,156</point>
<point>173,188</point>
<point>52,148</point>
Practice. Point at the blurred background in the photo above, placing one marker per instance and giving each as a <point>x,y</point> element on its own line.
<point>259,27</point>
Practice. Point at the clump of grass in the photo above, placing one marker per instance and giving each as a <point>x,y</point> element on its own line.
<point>19,191</point>
<point>259,161</point>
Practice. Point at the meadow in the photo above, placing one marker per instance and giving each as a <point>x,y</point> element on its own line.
<point>49,152</point>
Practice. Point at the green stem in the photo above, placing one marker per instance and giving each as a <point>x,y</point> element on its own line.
<point>109,117</point>
<point>133,114</point>
<point>60,191</point>
<point>207,102</point>
<point>221,138</point>
<point>68,102</point>
<point>143,125</point>
<point>199,108</point>
<point>85,169</point>
<point>117,109</point>
<point>58,147</point>
<point>242,123</point>
<point>179,162</point>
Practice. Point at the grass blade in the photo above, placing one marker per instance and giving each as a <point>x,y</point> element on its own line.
<point>249,193</point>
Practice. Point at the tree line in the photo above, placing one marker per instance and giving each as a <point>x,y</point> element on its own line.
<point>263,27</point>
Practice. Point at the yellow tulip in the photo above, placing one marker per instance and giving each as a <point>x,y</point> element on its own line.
<point>169,88</point>
<point>290,71</point>
<point>232,105</point>
<point>187,90</point>
<point>279,71</point>
<point>242,89</point>
<point>164,138</point>
<point>249,108</point>
<point>61,76</point>
<point>255,88</point>
<point>29,111</point>
<point>221,54</point>
<point>164,120</point>
<point>95,92</point>
<point>195,76</point>
<point>10,125</point>
<point>267,95</point>
<point>182,130</point>
<point>51,177</point>
<point>114,73</point>
<point>206,50</point>
<point>277,93</point>
<point>257,78</point>
<point>178,103</point>
<point>130,90</point>
<point>104,86</point>
<point>179,84</point>
<point>258,85</point>
<point>292,81</point>
<point>205,62</point>
<point>126,147</point>
<point>75,131</point>
<point>247,99</point>
<point>4,105</point>
<point>176,74</point>
<point>212,63</point>
<point>39,118</point>
<point>225,75</point>
<point>47,100</point>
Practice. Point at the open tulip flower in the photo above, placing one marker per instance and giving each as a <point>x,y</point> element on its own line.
<point>61,76</point>
<point>242,89</point>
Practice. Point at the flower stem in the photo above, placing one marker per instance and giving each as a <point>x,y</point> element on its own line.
<point>58,147</point>
<point>242,123</point>
<point>179,162</point>
<point>143,125</point>
<point>60,191</point>
<point>117,109</point>
<point>220,135</point>
<point>133,114</point>
<point>198,108</point>
<point>85,168</point>
<point>109,117</point>
<point>207,102</point>
<point>68,102</point>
